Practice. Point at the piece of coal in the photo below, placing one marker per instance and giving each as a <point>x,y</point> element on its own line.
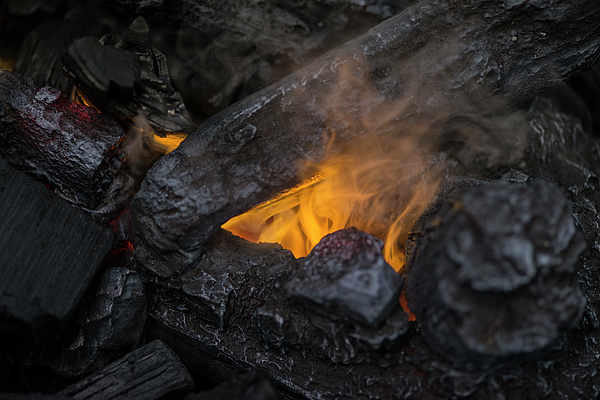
<point>39,57</point>
<point>127,80</point>
<point>49,253</point>
<point>345,275</point>
<point>72,147</point>
<point>259,146</point>
<point>149,372</point>
<point>107,325</point>
<point>493,277</point>
<point>253,385</point>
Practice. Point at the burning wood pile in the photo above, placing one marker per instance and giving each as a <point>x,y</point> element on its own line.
<point>314,200</point>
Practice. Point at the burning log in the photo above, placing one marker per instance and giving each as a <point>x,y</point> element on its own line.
<point>69,146</point>
<point>49,253</point>
<point>149,372</point>
<point>416,66</point>
<point>127,78</point>
<point>493,277</point>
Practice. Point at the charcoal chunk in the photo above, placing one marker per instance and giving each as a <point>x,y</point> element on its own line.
<point>70,146</point>
<point>39,57</point>
<point>346,275</point>
<point>49,253</point>
<point>493,277</point>
<point>253,385</point>
<point>149,372</point>
<point>106,326</point>
<point>128,79</point>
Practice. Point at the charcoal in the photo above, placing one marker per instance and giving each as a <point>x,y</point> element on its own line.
<point>224,52</point>
<point>253,385</point>
<point>72,147</point>
<point>49,252</point>
<point>310,356</point>
<point>106,326</point>
<point>39,396</point>
<point>149,372</point>
<point>139,6</point>
<point>263,329</point>
<point>259,146</point>
<point>493,277</point>
<point>39,56</point>
<point>346,275</point>
<point>29,7</point>
<point>128,79</point>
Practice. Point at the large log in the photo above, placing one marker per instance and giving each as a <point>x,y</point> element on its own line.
<point>72,147</point>
<point>49,254</point>
<point>425,63</point>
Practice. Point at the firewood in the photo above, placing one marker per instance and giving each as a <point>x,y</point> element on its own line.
<point>149,372</point>
<point>424,63</point>
<point>72,147</point>
<point>49,254</point>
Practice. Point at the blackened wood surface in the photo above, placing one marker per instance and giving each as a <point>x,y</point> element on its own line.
<point>72,147</point>
<point>433,57</point>
<point>49,253</point>
<point>147,373</point>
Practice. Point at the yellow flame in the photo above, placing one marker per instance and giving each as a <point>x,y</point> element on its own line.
<point>170,142</point>
<point>7,64</point>
<point>373,188</point>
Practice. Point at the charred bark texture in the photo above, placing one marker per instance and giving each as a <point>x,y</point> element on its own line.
<point>127,79</point>
<point>39,57</point>
<point>493,277</point>
<point>419,64</point>
<point>49,253</point>
<point>72,147</point>
<point>149,372</point>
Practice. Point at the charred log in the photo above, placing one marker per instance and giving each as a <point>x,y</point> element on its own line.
<point>127,79</point>
<point>258,147</point>
<point>493,277</point>
<point>71,147</point>
<point>39,56</point>
<point>149,372</point>
<point>106,326</point>
<point>49,254</point>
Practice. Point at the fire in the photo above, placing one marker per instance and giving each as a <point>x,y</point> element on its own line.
<point>169,142</point>
<point>381,188</point>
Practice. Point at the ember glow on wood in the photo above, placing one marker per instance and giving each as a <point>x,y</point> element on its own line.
<point>69,146</point>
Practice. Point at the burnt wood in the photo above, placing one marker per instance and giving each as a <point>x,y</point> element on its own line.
<point>127,78</point>
<point>422,65</point>
<point>49,254</point>
<point>149,372</point>
<point>107,325</point>
<point>493,276</point>
<point>72,147</point>
<point>39,56</point>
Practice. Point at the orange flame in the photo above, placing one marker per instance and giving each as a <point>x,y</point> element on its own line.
<point>380,188</point>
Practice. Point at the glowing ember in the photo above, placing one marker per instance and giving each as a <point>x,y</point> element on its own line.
<point>380,188</point>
